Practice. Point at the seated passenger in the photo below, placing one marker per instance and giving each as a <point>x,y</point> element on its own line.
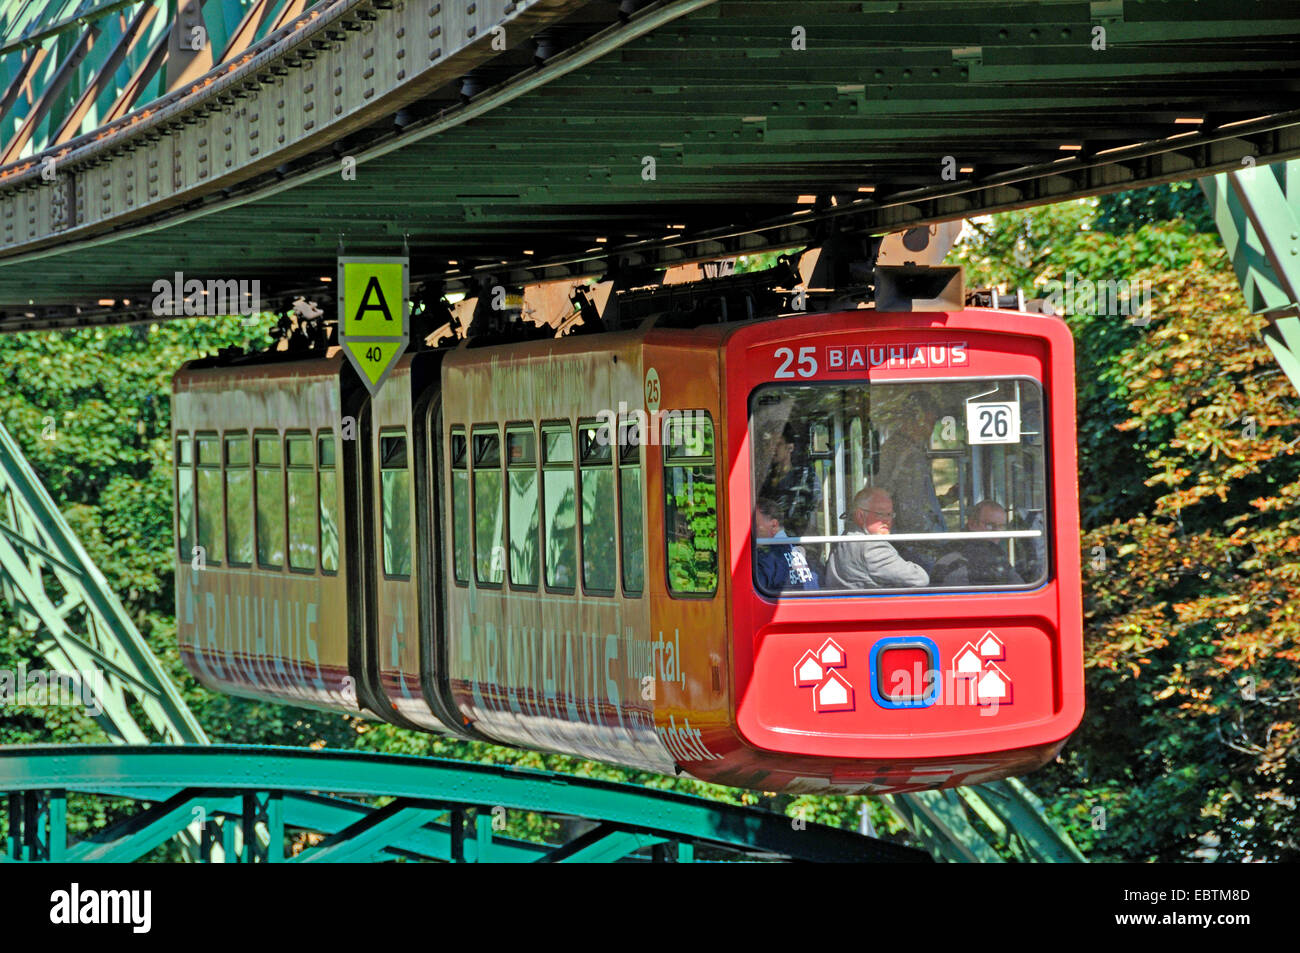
<point>791,482</point>
<point>871,564</point>
<point>778,566</point>
<point>979,562</point>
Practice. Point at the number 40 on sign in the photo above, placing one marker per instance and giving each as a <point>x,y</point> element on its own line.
<point>374,326</point>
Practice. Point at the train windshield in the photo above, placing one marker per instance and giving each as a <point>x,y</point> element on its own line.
<point>898,486</point>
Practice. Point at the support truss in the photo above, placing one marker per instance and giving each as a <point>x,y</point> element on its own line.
<point>1257,210</point>
<point>442,810</point>
<point>53,588</point>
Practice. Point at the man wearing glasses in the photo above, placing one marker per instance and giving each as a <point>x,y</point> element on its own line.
<point>871,563</point>
<point>980,562</point>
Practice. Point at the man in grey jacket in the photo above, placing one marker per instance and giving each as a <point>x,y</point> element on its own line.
<point>871,563</point>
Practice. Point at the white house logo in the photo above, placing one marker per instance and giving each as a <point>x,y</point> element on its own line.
<point>977,663</point>
<point>820,671</point>
<point>908,356</point>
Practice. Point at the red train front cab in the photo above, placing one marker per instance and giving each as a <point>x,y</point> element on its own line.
<point>905,546</point>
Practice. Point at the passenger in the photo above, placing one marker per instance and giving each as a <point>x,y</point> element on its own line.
<point>905,467</point>
<point>980,562</point>
<point>790,483</point>
<point>871,564</point>
<point>778,566</point>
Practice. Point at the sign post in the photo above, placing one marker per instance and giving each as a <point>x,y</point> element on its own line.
<point>374,318</point>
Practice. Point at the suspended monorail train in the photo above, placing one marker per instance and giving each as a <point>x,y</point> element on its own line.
<point>816,553</point>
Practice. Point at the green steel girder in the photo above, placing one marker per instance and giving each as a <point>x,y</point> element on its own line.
<point>329,815</point>
<point>1257,211</point>
<point>1008,809</point>
<point>87,630</point>
<point>31,23</point>
<point>218,780</point>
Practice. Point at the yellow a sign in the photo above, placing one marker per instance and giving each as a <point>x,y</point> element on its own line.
<point>374,317</point>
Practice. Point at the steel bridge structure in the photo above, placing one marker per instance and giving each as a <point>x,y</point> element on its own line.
<point>524,143</point>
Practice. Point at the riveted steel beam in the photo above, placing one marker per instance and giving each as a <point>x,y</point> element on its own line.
<point>331,71</point>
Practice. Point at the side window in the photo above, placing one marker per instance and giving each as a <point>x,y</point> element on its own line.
<point>328,484</point>
<point>489,515</point>
<point>558,510</point>
<point>521,468</point>
<point>270,500</point>
<point>629,499</point>
<point>207,501</point>
<point>691,504</point>
<point>239,500</point>
<point>460,506</point>
<point>395,502</point>
<point>599,545</point>
<point>184,497</point>
<point>300,458</point>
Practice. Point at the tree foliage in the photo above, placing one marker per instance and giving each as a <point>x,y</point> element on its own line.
<point>1189,478</point>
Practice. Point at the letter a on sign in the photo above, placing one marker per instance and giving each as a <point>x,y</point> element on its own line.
<point>374,325</point>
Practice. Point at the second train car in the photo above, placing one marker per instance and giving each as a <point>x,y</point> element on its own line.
<point>824,553</point>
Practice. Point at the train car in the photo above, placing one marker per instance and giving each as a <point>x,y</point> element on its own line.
<point>832,552</point>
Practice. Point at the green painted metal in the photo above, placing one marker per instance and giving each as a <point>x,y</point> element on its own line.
<point>1012,814</point>
<point>1257,211</point>
<point>141,834</point>
<point>30,24</point>
<point>228,782</point>
<point>90,637</point>
<point>1023,813</point>
<point>603,845</point>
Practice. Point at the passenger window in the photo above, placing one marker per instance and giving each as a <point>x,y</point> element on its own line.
<point>207,501</point>
<point>459,507</point>
<point>395,503</point>
<point>690,507</point>
<point>302,501</point>
<point>836,462</point>
<point>270,501</point>
<point>599,553</point>
<point>184,497</point>
<point>489,515</point>
<point>521,464</point>
<point>629,497</point>
<point>239,501</point>
<point>327,482</point>
<point>558,509</point>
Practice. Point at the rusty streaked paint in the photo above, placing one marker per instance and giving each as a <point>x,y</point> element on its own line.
<point>299,653</point>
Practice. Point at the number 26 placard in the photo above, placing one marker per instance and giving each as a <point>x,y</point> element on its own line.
<point>993,423</point>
